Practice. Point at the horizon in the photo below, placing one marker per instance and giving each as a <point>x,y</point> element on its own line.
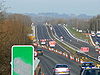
<point>54,13</point>
<point>89,7</point>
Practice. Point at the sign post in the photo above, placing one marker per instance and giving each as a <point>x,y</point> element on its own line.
<point>22,60</point>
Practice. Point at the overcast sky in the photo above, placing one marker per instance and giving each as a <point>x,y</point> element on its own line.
<point>90,7</point>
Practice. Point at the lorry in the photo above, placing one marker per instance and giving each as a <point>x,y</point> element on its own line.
<point>52,44</point>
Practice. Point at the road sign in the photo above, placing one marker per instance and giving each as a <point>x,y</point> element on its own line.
<point>22,62</point>
<point>85,49</point>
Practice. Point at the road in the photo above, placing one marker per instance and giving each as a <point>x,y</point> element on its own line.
<point>49,59</point>
<point>60,31</point>
<point>96,39</point>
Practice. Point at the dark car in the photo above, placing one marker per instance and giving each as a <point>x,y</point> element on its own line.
<point>39,52</point>
<point>94,71</point>
<point>98,35</point>
<point>87,65</point>
<point>61,69</point>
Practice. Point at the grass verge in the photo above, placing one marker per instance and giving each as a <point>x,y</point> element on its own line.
<point>77,34</point>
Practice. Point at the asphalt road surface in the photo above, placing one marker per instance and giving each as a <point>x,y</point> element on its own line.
<point>49,59</point>
<point>60,31</point>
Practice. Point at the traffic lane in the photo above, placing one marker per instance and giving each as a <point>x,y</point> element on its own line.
<point>94,39</point>
<point>54,56</point>
<point>46,65</point>
<point>58,47</point>
<point>98,39</point>
<point>78,44</point>
<point>39,32</point>
<point>92,51</point>
<point>60,29</point>
<point>63,60</point>
<point>83,44</point>
<point>45,34</point>
<point>66,36</point>
<point>58,59</point>
<point>59,33</point>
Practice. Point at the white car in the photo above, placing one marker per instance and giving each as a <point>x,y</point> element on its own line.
<point>93,34</point>
<point>61,69</point>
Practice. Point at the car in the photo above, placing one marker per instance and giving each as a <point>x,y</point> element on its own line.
<point>61,69</point>
<point>98,35</point>
<point>93,34</point>
<point>39,52</point>
<point>94,71</point>
<point>43,41</point>
<point>87,65</point>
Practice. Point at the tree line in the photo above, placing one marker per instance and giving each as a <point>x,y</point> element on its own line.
<point>13,31</point>
<point>87,25</point>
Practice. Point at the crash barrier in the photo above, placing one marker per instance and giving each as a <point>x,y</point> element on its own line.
<point>65,54</point>
<point>37,68</point>
<point>77,59</point>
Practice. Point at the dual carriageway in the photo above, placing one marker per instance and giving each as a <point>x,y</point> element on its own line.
<point>50,59</point>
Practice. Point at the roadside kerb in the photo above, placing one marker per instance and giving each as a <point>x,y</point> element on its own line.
<point>36,62</point>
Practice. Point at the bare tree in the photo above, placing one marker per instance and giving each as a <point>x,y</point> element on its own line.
<point>2,14</point>
<point>94,24</point>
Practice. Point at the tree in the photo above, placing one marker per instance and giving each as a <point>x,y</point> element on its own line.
<point>94,24</point>
<point>2,14</point>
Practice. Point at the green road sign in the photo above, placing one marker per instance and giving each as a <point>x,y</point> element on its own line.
<point>22,60</point>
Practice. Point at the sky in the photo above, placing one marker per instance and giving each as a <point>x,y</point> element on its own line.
<point>89,7</point>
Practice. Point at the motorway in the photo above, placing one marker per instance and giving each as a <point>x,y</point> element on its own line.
<point>49,59</point>
<point>60,31</point>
